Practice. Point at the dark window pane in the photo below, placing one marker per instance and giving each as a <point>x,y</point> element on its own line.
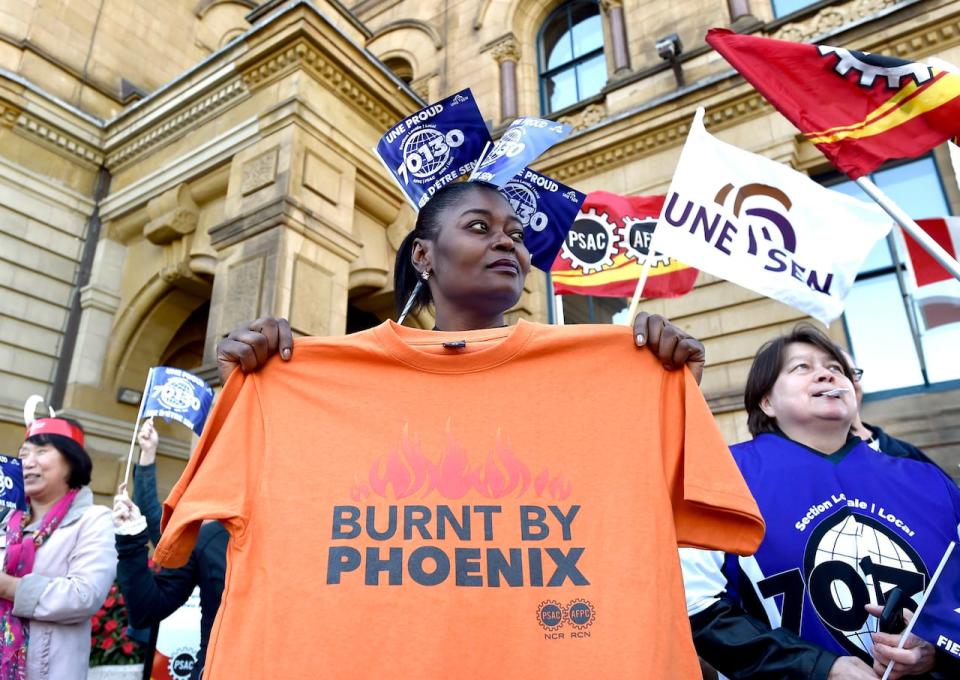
<point>587,29</point>
<point>556,47</point>
<point>592,76</point>
<point>561,89</point>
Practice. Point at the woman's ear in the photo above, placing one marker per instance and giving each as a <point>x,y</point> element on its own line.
<point>767,408</point>
<point>421,255</point>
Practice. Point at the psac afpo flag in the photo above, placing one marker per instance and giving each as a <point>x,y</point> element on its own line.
<point>764,226</point>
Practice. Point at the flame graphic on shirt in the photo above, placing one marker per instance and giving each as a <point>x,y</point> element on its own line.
<point>406,471</point>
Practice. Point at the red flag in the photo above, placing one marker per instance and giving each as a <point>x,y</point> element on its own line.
<point>946,232</point>
<point>860,109</point>
<point>604,251</point>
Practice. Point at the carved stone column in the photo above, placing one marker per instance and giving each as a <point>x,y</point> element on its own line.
<point>506,52</point>
<point>618,35</point>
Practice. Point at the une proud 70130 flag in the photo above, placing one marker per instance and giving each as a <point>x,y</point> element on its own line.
<point>765,226</point>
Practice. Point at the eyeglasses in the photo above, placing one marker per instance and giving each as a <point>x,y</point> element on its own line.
<point>857,373</point>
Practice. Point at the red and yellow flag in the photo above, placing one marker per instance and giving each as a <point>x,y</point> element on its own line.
<point>604,251</point>
<point>860,109</point>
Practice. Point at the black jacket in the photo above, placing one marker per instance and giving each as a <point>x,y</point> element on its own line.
<point>153,597</point>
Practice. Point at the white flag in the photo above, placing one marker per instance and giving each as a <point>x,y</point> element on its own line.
<point>764,226</point>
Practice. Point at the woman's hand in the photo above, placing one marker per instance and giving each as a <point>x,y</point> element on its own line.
<point>8,586</point>
<point>127,520</point>
<point>850,668</point>
<point>248,348</point>
<point>915,658</point>
<point>148,439</point>
<point>673,347</point>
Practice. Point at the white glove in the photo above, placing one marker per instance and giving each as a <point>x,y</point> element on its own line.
<point>127,520</point>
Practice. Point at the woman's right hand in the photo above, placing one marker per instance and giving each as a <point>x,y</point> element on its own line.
<point>127,520</point>
<point>249,347</point>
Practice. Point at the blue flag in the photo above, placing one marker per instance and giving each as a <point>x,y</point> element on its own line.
<point>11,484</point>
<point>434,146</point>
<point>938,621</point>
<point>521,144</point>
<point>177,395</point>
<point>547,209</point>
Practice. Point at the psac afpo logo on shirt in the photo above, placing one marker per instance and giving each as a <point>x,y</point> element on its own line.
<point>566,621</point>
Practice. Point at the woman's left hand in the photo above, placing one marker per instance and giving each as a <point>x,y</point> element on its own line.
<point>8,586</point>
<point>673,347</point>
<point>915,658</point>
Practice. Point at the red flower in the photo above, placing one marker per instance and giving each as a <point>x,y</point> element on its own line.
<point>127,648</point>
<point>107,643</point>
<point>121,600</point>
<point>95,624</point>
<point>109,602</point>
<point>113,589</point>
<point>110,625</point>
<point>101,612</point>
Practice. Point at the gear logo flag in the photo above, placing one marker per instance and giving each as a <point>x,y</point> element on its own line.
<point>859,109</point>
<point>11,484</point>
<point>607,245</point>
<point>547,208</point>
<point>520,145</point>
<point>177,395</point>
<point>434,146</point>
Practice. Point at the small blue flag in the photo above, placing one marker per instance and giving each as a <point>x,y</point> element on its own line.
<point>547,209</point>
<point>11,484</point>
<point>520,145</point>
<point>177,395</point>
<point>434,146</point>
<point>938,619</point>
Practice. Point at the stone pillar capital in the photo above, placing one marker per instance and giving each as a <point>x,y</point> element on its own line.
<point>607,5</point>
<point>505,48</point>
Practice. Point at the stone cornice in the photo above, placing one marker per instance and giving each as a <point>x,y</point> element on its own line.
<point>57,139</point>
<point>198,111</point>
<point>569,165</point>
<point>305,54</point>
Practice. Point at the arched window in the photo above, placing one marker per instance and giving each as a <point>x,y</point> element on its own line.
<point>570,53</point>
<point>400,67</point>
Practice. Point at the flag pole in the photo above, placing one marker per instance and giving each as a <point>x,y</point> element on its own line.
<point>908,307</point>
<point>558,309</point>
<point>916,615</point>
<point>136,425</point>
<point>911,227</point>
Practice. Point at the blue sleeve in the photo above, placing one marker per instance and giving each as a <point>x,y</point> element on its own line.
<point>145,496</point>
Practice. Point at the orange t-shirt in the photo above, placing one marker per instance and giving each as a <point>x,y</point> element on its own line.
<point>506,509</point>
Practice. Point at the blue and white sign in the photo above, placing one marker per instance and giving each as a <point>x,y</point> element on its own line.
<point>520,145</point>
<point>173,394</point>
<point>547,209</point>
<point>434,146</point>
<point>11,484</point>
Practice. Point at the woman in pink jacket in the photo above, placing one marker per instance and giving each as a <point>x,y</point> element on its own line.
<point>58,559</point>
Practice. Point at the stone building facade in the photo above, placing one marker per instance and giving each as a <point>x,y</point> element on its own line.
<point>169,170</point>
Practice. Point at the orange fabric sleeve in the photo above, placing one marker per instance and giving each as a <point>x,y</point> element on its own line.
<point>712,506</point>
<point>222,474</point>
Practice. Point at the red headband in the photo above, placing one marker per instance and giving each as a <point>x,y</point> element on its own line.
<point>55,426</point>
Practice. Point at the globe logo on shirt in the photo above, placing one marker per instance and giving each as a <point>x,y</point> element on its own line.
<point>852,560</point>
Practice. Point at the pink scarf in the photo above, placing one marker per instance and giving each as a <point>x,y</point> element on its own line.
<point>18,561</point>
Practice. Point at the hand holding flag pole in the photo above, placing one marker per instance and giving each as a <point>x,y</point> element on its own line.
<point>136,426</point>
<point>916,616</point>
